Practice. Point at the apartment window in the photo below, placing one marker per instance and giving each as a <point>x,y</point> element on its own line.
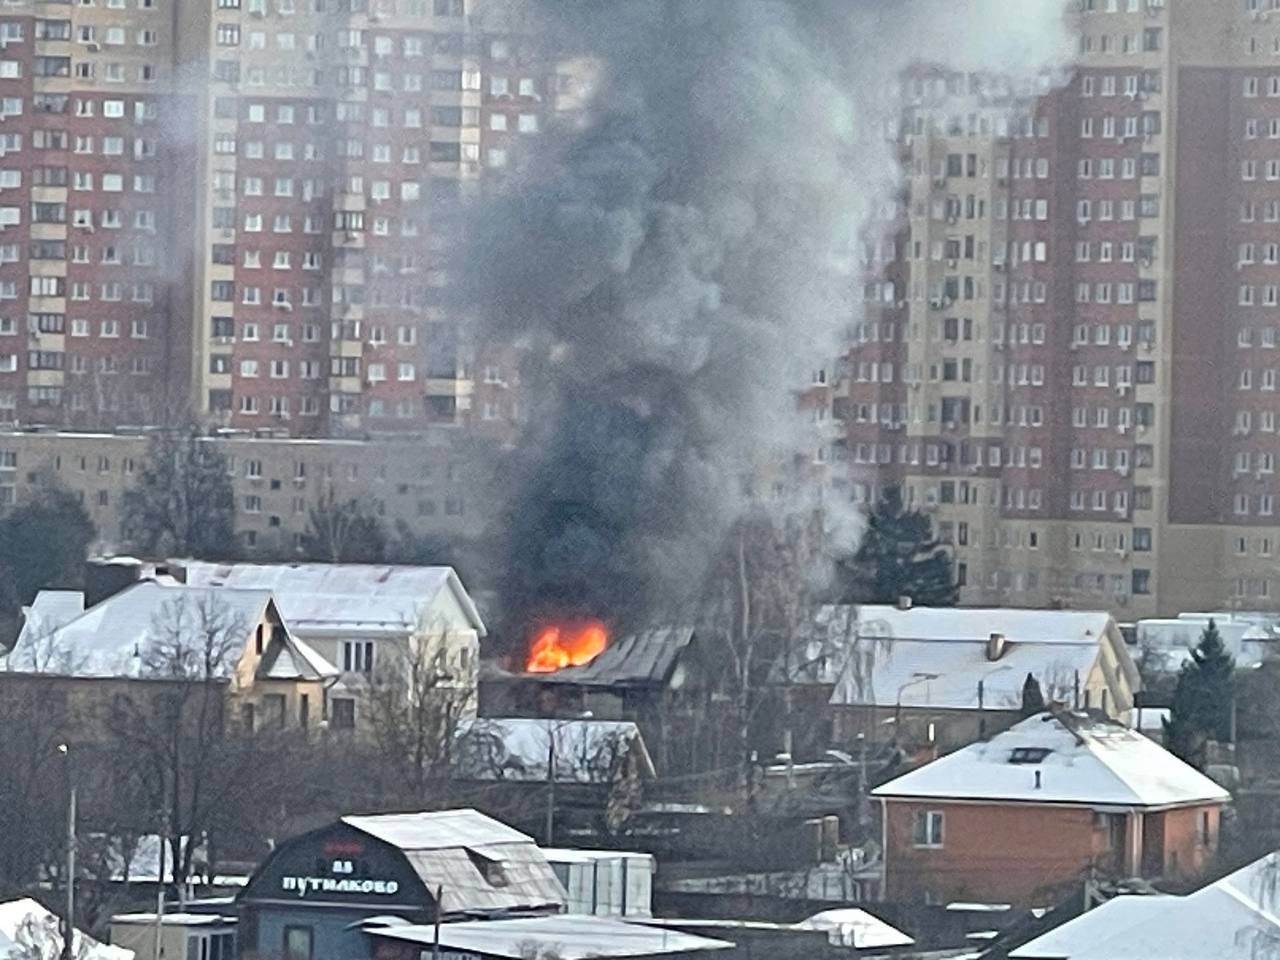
<point>927,828</point>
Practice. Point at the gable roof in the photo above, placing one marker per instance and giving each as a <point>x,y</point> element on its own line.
<point>517,749</point>
<point>319,596</point>
<point>1236,918</point>
<point>442,849</point>
<point>647,658</point>
<point>883,656</point>
<point>112,638</point>
<point>1090,761</point>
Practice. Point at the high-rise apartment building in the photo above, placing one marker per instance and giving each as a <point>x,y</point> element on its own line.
<point>86,226</point>
<point>334,136</point>
<point>1070,355</point>
<point>242,205</point>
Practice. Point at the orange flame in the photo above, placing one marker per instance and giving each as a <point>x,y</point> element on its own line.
<point>557,647</point>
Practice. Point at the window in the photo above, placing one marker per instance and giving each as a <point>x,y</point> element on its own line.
<point>926,828</point>
<point>298,940</point>
<point>357,656</point>
<point>342,713</point>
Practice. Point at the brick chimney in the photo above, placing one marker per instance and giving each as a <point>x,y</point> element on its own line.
<point>904,603</point>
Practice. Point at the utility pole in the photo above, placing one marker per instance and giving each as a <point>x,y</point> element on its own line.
<point>551,783</point>
<point>68,923</point>
<point>157,950</point>
<point>435,940</point>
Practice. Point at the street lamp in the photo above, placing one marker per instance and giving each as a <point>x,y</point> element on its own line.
<point>982,716</point>
<point>897,706</point>
<point>68,923</point>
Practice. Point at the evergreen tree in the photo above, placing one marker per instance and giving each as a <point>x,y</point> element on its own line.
<point>1202,700</point>
<point>1032,697</point>
<point>43,543</point>
<point>182,502</point>
<point>898,557</point>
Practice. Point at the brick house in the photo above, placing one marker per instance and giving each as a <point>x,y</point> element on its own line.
<point>1032,813</point>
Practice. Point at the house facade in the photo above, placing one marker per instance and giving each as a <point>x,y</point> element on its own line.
<point>1036,811</point>
<point>307,901</point>
<point>404,626</point>
<point>153,641</point>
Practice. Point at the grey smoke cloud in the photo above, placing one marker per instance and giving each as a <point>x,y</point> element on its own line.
<point>682,257</point>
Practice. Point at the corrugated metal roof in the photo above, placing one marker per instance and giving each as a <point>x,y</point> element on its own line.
<point>509,748</point>
<point>568,937</point>
<point>639,659</point>
<point>447,849</point>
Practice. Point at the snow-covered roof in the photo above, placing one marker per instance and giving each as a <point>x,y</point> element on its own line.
<point>854,927</point>
<point>315,597</point>
<point>34,930</point>
<point>437,830</point>
<point>586,751</point>
<point>1168,642</point>
<point>978,623</point>
<point>50,610</point>
<point>1236,918</point>
<point>113,638</point>
<point>574,855</point>
<point>881,656</point>
<point>1065,758</point>
<point>566,936</point>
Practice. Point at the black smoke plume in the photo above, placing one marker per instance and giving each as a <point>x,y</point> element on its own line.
<point>680,256</point>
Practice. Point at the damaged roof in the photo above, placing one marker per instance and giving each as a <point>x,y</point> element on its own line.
<point>443,847</point>
<point>647,658</point>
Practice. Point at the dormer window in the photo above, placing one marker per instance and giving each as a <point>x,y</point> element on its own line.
<point>490,868</point>
<point>1028,754</point>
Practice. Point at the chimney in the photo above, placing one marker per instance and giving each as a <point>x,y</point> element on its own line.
<point>105,577</point>
<point>904,603</point>
<point>995,646</point>
<point>1037,779</point>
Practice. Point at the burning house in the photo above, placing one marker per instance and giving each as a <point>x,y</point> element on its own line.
<point>655,678</point>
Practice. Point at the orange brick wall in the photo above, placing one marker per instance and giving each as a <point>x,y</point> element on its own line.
<point>1028,855</point>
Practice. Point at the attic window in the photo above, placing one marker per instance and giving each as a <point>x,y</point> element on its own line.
<point>490,868</point>
<point>1028,754</point>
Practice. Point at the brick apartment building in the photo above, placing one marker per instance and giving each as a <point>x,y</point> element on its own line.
<point>240,204</point>
<point>1068,357</point>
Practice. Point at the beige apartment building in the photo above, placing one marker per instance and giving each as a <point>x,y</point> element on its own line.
<point>1069,356</point>
<point>427,483</point>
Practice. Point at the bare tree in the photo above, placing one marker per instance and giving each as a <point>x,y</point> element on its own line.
<point>176,729</point>
<point>343,531</point>
<point>416,698</point>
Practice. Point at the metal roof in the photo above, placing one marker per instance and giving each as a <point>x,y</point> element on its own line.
<point>477,862</point>
<point>569,937</point>
<point>639,659</point>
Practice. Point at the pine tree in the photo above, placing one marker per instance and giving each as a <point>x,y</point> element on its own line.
<point>1202,700</point>
<point>898,557</point>
<point>1032,697</point>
